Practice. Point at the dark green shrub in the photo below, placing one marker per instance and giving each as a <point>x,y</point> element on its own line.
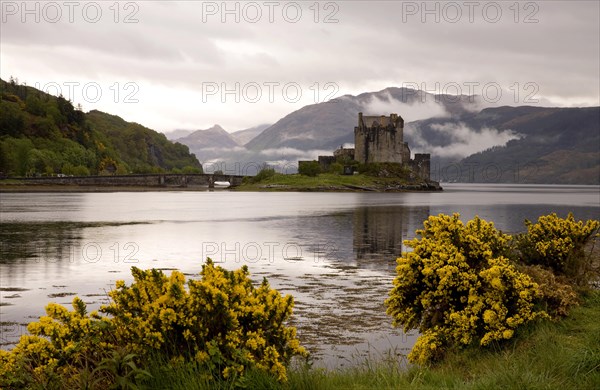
<point>336,168</point>
<point>311,168</point>
<point>265,173</point>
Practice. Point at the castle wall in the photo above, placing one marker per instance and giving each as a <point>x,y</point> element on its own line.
<point>379,139</point>
<point>421,165</point>
<point>405,153</point>
<point>344,153</point>
<point>325,162</point>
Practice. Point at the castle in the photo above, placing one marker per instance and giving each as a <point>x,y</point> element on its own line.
<point>380,139</point>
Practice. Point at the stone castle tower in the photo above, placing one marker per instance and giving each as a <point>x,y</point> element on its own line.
<point>380,139</point>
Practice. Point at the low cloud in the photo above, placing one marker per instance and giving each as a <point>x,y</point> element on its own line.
<point>295,154</point>
<point>463,140</point>
<point>221,150</point>
<point>416,111</point>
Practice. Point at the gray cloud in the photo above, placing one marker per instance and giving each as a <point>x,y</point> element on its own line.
<point>171,51</point>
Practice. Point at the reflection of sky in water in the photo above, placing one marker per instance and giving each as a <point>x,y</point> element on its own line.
<point>334,252</point>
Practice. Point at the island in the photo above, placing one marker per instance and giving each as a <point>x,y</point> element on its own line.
<point>379,162</point>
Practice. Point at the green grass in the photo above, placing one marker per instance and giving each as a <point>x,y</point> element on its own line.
<point>324,181</point>
<point>8,182</point>
<point>546,355</point>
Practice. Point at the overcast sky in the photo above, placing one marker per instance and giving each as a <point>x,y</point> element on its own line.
<point>189,65</point>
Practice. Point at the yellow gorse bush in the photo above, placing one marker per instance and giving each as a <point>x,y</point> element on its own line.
<point>58,348</point>
<point>220,321</point>
<point>559,243</point>
<point>457,287</point>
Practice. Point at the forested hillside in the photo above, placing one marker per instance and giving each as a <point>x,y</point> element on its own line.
<point>41,134</point>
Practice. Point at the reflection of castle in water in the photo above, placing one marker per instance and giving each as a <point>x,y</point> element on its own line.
<point>369,236</point>
<point>379,231</point>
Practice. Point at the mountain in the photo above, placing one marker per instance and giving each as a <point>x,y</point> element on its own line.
<point>177,133</point>
<point>327,125</point>
<point>468,144</point>
<point>244,136</point>
<point>549,145</point>
<point>317,126</point>
<point>44,134</point>
<point>215,137</point>
<point>210,143</point>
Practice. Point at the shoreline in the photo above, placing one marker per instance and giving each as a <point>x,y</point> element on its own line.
<point>41,188</point>
<point>334,188</point>
<point>209,182</point>
<point>33,188</point>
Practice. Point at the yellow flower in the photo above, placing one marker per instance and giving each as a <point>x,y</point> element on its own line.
<point>489,316</point>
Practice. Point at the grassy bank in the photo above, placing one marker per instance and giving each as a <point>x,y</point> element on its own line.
<point>545,355</point>
<point>328,182</point>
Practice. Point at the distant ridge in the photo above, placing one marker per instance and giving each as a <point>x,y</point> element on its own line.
<point>245,136</point>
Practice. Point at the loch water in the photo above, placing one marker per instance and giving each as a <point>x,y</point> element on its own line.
<point>334,252</point>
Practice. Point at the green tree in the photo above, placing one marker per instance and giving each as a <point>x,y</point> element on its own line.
<point>44,161</point>
<point>188,169</point>
<point>80,170</point>
<point>12,120</point>
<point>34,106</point>
<point>15,156</point>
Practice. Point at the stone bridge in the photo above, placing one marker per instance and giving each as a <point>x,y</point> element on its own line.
<point>141,180</point>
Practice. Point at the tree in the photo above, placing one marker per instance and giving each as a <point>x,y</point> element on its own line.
<point>34,105</point>
<point>188,169</point>
<point>12,121</point>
